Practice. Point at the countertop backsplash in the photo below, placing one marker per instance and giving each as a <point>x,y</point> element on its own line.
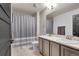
<point>70,37</point>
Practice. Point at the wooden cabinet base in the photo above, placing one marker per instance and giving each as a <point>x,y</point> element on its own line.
<point>65,51</point>
<point>50,48</point>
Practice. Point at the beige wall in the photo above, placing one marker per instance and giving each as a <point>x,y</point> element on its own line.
<point>43,15</point>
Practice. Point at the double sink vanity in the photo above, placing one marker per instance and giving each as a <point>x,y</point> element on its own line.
<point>58,45</point>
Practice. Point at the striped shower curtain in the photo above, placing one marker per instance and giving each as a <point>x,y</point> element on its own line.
<point>24,28</point>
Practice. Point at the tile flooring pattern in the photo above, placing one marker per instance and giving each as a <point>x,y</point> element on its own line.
<point>24,51</point>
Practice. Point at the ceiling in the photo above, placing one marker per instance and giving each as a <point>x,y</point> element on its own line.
<point>62,8</point>
<point>28,7</point>
<point>32,9</point>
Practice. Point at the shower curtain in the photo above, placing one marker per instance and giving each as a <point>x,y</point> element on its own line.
<point>24,29</point>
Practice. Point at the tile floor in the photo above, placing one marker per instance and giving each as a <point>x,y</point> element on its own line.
<point>24,51</point>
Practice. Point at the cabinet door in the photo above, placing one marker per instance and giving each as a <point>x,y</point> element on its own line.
<point>40,45</point>
<point>5,31</point>
<point>68,51</point>
<point>54,49</point>
<point>45,47</point>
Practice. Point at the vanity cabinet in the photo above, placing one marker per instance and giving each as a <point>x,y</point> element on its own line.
<point>65,51</point>
<point>41,45</point>
<point>46,48</point>
<point>54,49</point>
<point>51,48</point>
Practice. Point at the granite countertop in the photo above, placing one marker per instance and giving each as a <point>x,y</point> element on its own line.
<point>61,40</point>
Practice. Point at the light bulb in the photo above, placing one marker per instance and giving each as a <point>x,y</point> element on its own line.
<point>50,5</point>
